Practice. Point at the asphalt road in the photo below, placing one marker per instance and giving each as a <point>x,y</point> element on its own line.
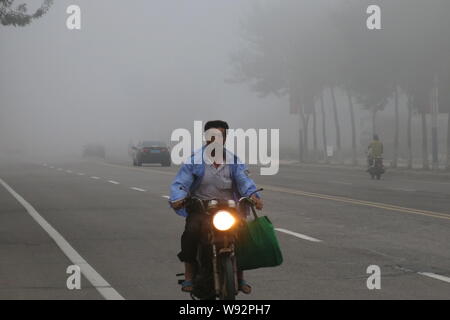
<point>113,219</point>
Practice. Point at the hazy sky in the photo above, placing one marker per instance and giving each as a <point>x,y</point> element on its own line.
<point>135,70</point>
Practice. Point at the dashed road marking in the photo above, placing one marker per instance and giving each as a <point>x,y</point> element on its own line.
<point>298,235</point>
<point>341,182</point>
<point>138,189</point>
<point>435,276</point>
<point>403,189</point>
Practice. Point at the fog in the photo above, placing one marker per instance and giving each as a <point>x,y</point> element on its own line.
<point>132,72</point>
<point>137,71</point>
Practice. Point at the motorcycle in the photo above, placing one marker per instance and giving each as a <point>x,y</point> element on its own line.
<point>376,168</point>
<point>216,271</point>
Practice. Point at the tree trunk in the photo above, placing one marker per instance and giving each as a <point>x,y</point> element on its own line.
<point>300,138</point>
<point>425,163</point>
<point>336,122</point>
<point>314,131</point>
<point>305,119</point>
<point>374,125</point>
<point>397,128</point>
<point>295,107</point>
<point>448,142</point>
<point>410,157</point>
<point>352,120</point>
<point>324,128</point>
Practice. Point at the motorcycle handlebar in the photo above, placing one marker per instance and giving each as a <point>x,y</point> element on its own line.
<point>248,199</point>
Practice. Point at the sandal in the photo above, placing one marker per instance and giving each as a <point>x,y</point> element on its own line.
<point>244,286</point>
<point>187,286</point>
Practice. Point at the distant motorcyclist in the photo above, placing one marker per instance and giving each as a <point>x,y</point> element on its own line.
<point>375,150</point>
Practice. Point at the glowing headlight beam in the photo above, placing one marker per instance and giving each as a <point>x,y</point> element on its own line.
<point>223,220</point>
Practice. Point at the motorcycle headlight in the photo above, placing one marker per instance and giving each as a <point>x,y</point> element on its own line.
<point>223,220</point>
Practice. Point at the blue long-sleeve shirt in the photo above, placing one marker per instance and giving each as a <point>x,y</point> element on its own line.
<point>191,174</point>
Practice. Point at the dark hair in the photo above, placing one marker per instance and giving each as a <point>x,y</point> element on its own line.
<point>216,124</point>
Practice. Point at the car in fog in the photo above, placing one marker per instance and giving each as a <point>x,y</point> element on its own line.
<point>151,152</point>
<point>94,150</point>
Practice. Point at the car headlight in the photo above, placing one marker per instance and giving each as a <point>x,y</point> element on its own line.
<point>223,220</point>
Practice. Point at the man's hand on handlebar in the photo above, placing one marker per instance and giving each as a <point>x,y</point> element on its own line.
<point>176,205</point>
<point>258,202</point>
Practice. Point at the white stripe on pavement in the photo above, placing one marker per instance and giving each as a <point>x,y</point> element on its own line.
<point>95,178</point>
<point>341,182</point>
<point>102,286</point>
<point>52,167</point>
<point>113,182</point>
<point>167,197</point>
<point>69,171</point>
<point>60,169</point>
<point>435,276</point>
<point>402,189</point>
<point>138,189</point>
<point>80,174</point>
<point>298,235</point>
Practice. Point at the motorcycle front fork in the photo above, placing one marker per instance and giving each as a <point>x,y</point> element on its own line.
<point>217,279</point>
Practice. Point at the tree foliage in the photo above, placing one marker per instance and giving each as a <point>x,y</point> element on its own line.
<point>18,15</point>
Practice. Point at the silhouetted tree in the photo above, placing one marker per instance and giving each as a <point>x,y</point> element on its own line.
<point>19,16</point>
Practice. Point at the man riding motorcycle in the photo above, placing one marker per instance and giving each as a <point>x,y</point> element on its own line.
<point>206,179</point>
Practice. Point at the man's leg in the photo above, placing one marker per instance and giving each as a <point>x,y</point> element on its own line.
<point>243,285</point>
<point>189,244</point>
<point>189,271</point>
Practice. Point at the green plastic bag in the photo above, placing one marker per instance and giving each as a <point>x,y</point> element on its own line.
<point>257,245</point>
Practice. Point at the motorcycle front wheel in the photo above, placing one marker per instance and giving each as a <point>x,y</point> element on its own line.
<point>228,287</point>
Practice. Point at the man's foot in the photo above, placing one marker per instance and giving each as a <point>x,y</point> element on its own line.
<point>244,286</point>
<point>187,286</point>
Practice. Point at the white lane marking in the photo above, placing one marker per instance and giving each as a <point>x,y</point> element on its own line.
<point>341,182</point>
<point>60,169</point>
<point>298,235</point>
<point>80,174</point>
<point>102,286</point>
<point>95,178</point>
<point>69,171</point>
<point>402,189</point>
<point>167,197</point>
<point>138,189</point>
<point>137,169</point>
<point>113,182</point>
<point>435,276</point>
<point>52,167</point>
